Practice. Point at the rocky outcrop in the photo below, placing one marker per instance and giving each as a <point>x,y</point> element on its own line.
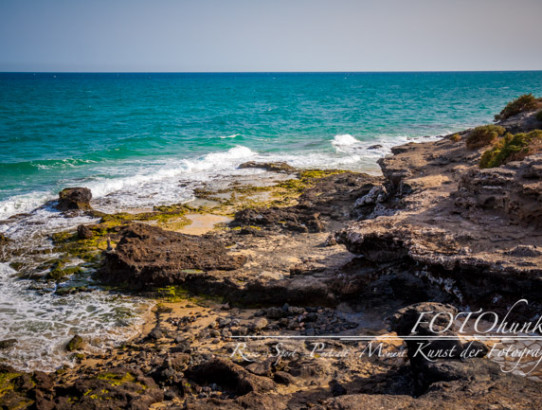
<point>475,231</point>
<point>434,233</point>
<point>70,199</point>
<point>522,122</point>
<point>148,255</point>
<point>329,200</point>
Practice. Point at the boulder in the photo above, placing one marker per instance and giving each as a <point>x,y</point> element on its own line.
<point>76,343</point>
<point>74,199</point>
<point>84,232</point>
<point>269,166</point>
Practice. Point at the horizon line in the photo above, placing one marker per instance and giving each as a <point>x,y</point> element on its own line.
<point>270,72</point>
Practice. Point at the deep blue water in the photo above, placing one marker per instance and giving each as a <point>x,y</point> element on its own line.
<point>118,133</point>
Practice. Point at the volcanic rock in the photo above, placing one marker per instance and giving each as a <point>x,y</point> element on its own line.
<point>269,166</point>
<point>74,199</point>
<point>149,255</point>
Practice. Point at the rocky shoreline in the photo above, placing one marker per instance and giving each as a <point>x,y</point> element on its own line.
<point>265,310</point>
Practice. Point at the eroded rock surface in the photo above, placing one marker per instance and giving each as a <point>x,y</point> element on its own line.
<point>477,230</point>
<point>149,255</point>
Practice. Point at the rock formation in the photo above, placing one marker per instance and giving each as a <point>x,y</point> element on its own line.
<point>70,199</point>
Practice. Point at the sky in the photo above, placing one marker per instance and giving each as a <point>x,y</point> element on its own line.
<point>272,35</point>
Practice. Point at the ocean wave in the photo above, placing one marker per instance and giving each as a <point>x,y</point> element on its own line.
<point>228,136</point>
<point>375,148</point>
<point>37,165</point>
<point>24,203</point>
<point>344,140</point>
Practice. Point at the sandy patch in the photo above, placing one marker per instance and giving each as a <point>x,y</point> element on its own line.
<point>202,223</point>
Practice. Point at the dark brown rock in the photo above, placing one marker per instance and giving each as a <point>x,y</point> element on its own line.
<point>74,199</point>
<point>116,388</point>
<point>230,377</point>
<point>269,166</point>
<point>7,343</point>
<point>149,255</point>
<point>84,232</point>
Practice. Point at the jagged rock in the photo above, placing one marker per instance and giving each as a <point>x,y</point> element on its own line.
<point>515,189</point>
<point>230,377</point>
<point>456,223</point>
<point>269,166</point>
<point>76,343</point>
<point>74,199</point>
<point>149,255</point>
<point>376,194</point>
<point>286,218</point>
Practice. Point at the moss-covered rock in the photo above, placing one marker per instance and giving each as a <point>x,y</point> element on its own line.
<point>76,343</point>
<point>483,136</point>
<point>13,389</point>
<point>59,272</point>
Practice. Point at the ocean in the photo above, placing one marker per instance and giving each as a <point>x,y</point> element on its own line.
<point>133,134</point>
<point>139,140</point>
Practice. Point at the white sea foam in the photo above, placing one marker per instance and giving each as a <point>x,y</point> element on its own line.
<point>344,139</point>
<point>375,148</point>
<point>42,323</point>
<point>23,203</point>
<point>228,136</point>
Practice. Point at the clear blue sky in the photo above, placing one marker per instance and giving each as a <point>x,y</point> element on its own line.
<point>272,35</point>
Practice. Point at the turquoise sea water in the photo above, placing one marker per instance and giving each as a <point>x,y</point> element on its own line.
<point>118,133</point>
<point>139,140</point>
